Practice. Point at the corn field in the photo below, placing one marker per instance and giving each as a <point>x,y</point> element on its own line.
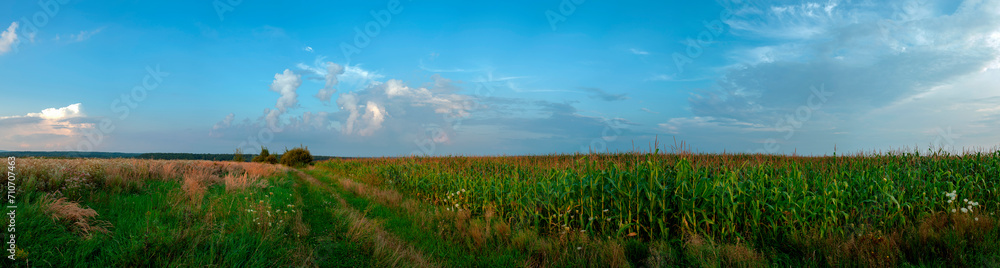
<point>727,197</point>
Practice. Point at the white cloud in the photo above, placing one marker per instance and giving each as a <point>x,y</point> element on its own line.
<point>332,71</point>
<point>222,125</point>
<point>873,58</point>
<point>349,102</point>
<point>310,49</point>
<point>226,122</point>
<point>84,35</point>
<point>8,38</point>
<point>391,117</point>
<point>285,84</point>
<point>374,116</point>
<point>349,77</point>
<point>73,110</point>
<point>798,21</point>
<point>678,125</point>
<point>50,129</point>
<point>639,52</point>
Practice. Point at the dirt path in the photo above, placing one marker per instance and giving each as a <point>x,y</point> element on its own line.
<point>387,249</point>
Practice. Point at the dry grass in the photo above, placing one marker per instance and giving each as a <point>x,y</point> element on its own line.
<point>951,235</point>
<point>387,249</point>
<point>80,220</point>
<point>661,254</point>
<point>871,250</point>
<point>502,229</point>
<point>235,182</point>
<point>262,170</point>
<point>709,254</point>
<point>51,175</point>
<point>479,232</point>
<point>738,255</point>
<point>194,186</point>
<point>387,197</point>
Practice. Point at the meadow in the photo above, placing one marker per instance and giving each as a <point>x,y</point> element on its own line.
<point>586,210</point>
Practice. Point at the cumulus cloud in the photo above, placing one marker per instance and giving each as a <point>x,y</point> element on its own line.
<point>332,71</point>
<point>221,125</point>
<point>410,104</point>
<point>52,128</point>
<point>347,77</point>
<point>374,116</point>
<point>8,38</point>
<point>285,84</point>
<point>439,116</point>
<point>349,103</point>
<point>73,110</point>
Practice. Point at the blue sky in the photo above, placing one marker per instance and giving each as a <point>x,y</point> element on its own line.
<point>510,77</point>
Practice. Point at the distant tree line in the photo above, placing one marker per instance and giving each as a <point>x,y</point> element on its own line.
<point>160,156</point>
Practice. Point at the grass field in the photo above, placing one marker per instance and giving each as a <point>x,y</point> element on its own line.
<point>596,210</point>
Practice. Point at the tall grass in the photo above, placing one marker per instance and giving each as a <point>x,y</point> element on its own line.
<point>124,212</point>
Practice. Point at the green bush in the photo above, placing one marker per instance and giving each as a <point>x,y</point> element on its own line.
<point>265,157</point>
<point>298,156</point>
<point>238,155</point>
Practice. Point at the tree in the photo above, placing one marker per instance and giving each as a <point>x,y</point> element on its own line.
<point>238,155</point>
<point>296,157</point>
<point>265,157</point>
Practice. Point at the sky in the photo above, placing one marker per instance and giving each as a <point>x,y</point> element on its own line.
<point>401,77</point>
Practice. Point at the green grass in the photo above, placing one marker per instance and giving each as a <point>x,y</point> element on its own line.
<point>330,247</point>
<point>443,251</point>
<point>598,210</point>
<point>155,227</point>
